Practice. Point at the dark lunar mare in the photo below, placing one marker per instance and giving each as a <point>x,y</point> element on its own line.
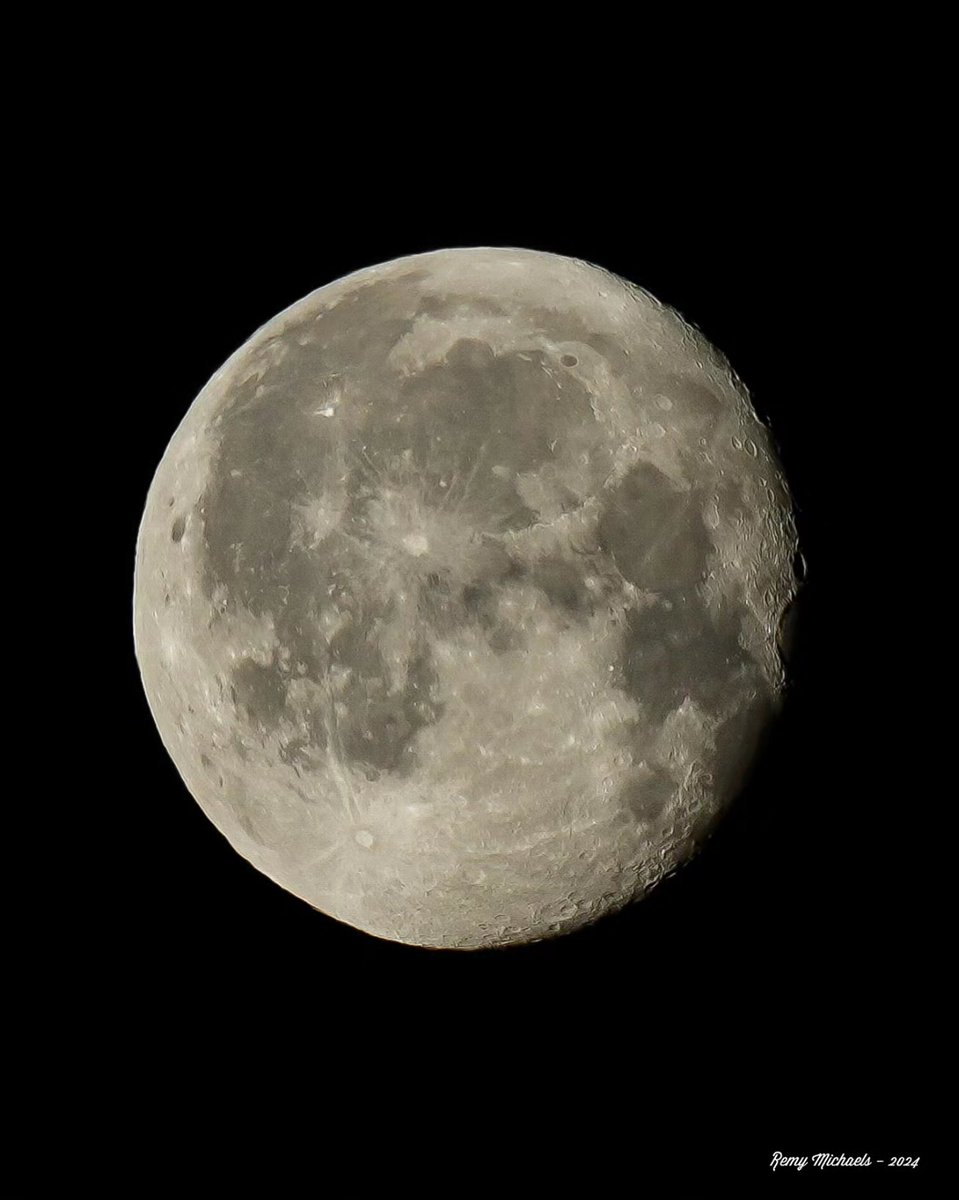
<point>475,407</point>
<point>480,408</point>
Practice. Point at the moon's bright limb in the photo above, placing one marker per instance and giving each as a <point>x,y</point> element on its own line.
<point>457,595</point>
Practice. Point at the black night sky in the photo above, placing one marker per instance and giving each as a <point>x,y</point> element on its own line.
<point>773,995</point>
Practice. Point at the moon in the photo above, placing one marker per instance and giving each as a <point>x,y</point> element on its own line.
<point>458,593</point>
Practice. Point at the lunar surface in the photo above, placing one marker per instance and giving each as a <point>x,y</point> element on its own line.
<point>458,592</point>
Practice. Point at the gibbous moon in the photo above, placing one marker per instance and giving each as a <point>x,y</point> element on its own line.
<point>457,595</point>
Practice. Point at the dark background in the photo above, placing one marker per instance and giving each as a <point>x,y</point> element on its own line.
<point>778,993</point>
